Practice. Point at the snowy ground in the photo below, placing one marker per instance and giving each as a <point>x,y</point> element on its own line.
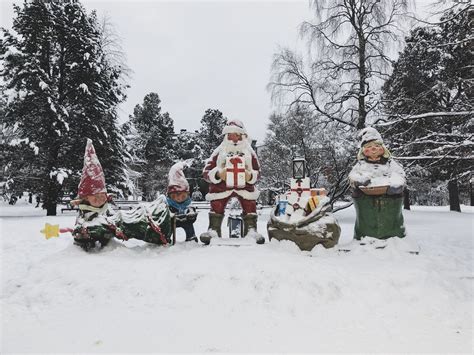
<point>271,298</point>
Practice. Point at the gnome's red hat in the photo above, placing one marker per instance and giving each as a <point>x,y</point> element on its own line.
<point>92,180</point>
<point>176,180</point>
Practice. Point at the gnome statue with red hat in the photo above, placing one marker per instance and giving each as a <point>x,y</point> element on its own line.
<point>232,171</point>
<point>97,224</point>
<point>93,204</point>
<point>179,201</point>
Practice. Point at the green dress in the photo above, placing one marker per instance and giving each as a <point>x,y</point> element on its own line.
<point>379,216</point>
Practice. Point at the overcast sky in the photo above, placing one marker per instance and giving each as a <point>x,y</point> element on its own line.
<point>202,54</point>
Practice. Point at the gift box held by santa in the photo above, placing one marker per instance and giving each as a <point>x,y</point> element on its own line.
<point>232,171</point>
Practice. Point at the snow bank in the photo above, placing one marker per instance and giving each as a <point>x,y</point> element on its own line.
<point>132,297</point>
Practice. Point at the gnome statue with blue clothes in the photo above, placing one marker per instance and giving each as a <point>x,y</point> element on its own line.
<point>179,201</point>
<point>232,171</point>
<point>378,182</point>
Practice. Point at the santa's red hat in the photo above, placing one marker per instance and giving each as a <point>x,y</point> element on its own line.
<point>234,126</point>
<point>92,180</point>
<point>176,180</point>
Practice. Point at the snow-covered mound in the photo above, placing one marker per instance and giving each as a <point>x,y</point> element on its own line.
<point>134,297</point>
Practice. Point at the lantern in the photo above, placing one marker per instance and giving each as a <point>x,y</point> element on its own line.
<point>236,226</point>
<point>299,168</point>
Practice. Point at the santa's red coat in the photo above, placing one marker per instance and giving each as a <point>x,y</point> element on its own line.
<point>217,187</point>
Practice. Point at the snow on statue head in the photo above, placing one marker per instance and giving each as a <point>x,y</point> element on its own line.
<point>371,145</point>
<point>235,135</point>
<point>368,134</point>
<point>92,185</point>
<point>178,186</point>
<point>176,180</point>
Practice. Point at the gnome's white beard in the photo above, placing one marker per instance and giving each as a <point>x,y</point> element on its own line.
<point>228,148</point>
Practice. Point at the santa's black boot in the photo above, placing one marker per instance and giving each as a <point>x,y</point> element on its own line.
<point>214,230</point>
<point>250,228</point>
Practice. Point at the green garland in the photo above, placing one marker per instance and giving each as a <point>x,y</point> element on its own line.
<point>151,223</point>
<point>138,223</point>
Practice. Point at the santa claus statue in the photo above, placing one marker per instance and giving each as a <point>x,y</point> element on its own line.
<point>232,171</point>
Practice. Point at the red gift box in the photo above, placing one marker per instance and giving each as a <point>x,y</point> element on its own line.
<point>235,171</point>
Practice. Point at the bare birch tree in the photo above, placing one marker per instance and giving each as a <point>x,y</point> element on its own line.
<point>349,41</point>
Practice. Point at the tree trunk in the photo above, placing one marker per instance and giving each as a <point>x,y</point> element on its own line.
<point>471,182</point>
<point>51,193</point>
<point>406,199</point>
<point>144,190</point>
<point>453,190</point>
<point>51,187</point>
<point>362,85</point>
<point>51,209</point>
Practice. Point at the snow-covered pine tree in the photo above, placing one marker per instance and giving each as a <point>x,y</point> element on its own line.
<point>277,152</point>
<point>188,147</point>
<point>210,133</point>
<point>429,99</point>
<point>16,158</point>
<point>154,145</point>
<point>62,89</point>
<point>129,134</point>
<point>209,138</point>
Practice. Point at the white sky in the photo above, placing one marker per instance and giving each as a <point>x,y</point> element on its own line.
<point>202,54</point>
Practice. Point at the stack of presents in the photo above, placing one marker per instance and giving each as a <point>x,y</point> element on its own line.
<point>303,214</point>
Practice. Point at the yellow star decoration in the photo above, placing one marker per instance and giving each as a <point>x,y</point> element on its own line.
<point>50,230</point>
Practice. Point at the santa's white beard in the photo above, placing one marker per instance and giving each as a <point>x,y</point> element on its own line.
<point>230,147</point>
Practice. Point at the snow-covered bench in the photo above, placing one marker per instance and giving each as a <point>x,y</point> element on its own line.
<point>68,207</point>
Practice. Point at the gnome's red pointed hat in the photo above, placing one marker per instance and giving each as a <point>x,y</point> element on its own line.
<point>92,180</point>
<point>176,180</point>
